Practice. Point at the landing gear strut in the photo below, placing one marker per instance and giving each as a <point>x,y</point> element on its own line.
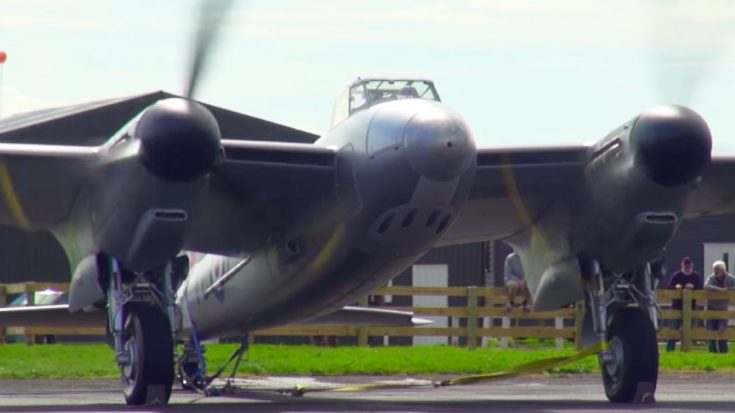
<point>192,367</point>
<point>625,317</point>
<point>141,323</point>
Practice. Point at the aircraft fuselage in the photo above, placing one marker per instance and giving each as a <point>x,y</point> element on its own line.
<point>404,168</point>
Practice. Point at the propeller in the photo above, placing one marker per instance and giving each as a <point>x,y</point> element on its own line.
<point>180,139</point>
<point>211,18</point>
<point>684,39</point>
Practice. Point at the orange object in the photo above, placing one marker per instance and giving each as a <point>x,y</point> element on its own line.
<point>3,57</point>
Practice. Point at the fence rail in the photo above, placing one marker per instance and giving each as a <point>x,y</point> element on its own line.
<point>484,305</point>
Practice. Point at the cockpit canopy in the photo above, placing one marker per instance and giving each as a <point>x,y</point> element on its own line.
<point>364,93</point>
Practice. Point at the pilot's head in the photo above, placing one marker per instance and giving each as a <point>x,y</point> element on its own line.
<point>408,92</point>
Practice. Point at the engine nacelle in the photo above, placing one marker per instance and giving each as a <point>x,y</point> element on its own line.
<point>638,181</point>
<point>152,181</point>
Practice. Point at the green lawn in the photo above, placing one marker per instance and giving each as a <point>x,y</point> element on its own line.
<point>96,360</point>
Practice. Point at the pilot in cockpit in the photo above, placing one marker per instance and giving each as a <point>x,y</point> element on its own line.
<point>408,92</point>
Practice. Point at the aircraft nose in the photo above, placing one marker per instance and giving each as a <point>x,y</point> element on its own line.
<point>439,144</point>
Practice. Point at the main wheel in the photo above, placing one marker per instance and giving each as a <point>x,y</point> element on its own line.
<point>149,375</point>
<point>632,371</point>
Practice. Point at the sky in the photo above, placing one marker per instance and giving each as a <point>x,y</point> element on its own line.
<point>521,72</point>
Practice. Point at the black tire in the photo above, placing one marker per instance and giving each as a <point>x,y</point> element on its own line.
<point>632,335</point>
<point>148,338</point>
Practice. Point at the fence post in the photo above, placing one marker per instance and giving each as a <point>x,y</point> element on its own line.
<point>487,321</point>
<point>579,312</point>
<point>559,324</point>
<point>30,290</point>
<point>3,303</point>
<point>504,340</point>
<point>686,320</point>
<point>362,331</point>
<point>471,317</point>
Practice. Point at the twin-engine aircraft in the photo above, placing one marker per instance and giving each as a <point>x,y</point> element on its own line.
<point>289,233</point>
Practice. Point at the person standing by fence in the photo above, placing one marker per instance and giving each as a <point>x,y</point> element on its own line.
<point>685,278</point>
<point>515,281</point>
<point>719,280</point>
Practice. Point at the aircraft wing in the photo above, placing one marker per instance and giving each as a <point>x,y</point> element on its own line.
<point>276,169</point>
<point>512,186</point>
<point>57,315</point>
<point>40,183</point>
<point>365,316</point>
<point>716,191</point>
<point>259,179</point>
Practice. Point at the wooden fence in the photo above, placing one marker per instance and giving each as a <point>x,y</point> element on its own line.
<point>9,291</point>
<point>484,305</point>
<point>494,300</point>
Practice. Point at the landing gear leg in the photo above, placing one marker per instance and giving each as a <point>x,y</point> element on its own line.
<point>204,384</point>
<point>142,336</point>
<point>237,356</point>
<point>646,292</point>
<point>244,348</point>
<point>624,316</point>
<point>595,291</point>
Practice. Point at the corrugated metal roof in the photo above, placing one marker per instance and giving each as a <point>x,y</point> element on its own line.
<point>92,123</point>
<point>28,119</point>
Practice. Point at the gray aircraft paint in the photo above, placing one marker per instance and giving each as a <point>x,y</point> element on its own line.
<point>336,196</point>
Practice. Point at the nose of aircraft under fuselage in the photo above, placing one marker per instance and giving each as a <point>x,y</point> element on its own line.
<point>439,144</point>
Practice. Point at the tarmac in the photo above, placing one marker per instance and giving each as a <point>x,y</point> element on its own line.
<point>574,393</point>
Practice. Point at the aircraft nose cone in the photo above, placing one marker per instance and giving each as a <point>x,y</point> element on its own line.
<point>439,145</point>
<point>672,143</point>
<point>179,139</point>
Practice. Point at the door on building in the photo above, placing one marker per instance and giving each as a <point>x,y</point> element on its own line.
<point>430,276</point>
<point>714,251</point>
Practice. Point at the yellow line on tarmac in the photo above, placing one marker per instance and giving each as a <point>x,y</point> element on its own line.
<point>528,368</point>
<point>536,366</point>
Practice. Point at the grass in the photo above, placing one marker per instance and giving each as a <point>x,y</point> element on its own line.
<point>18,361</point>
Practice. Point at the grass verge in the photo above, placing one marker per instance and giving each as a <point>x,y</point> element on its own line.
<point>18,361</point>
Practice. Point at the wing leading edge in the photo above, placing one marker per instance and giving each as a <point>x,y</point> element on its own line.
<point>259,185</point>
<point>277,170</point>
<point>40,183</point>
<point>512,186</point>
<point>715,193</point>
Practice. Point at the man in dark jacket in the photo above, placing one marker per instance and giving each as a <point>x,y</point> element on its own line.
<point>685,278</point>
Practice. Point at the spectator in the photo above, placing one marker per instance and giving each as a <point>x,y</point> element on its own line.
<point>719,280</point>
<point>515,282</point>
<point>685,278</point>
